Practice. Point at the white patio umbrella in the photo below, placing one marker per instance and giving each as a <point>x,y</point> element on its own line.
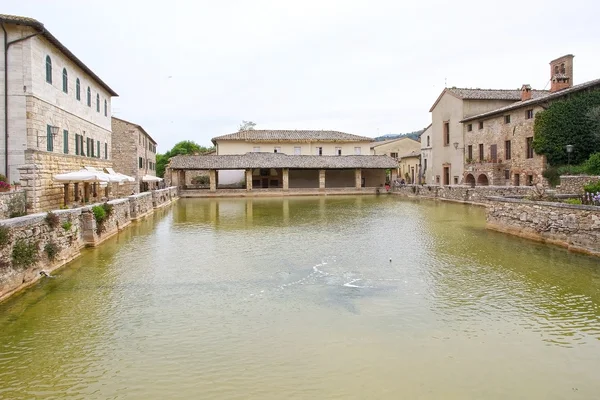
<point>123,177</point>
<point>150,178</point>
<point>82,175</point>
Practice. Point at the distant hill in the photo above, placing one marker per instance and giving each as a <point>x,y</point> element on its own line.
<point>413,135</point>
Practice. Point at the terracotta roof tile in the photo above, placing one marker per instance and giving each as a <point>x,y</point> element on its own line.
<point>292,136</point>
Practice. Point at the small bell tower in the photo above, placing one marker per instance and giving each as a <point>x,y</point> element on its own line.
<point>561,73</point>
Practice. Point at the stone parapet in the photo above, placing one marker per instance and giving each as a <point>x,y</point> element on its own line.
<point>462,193</point>
<point>573,184</point>
<point>12,204</point>
<point>576,227</point>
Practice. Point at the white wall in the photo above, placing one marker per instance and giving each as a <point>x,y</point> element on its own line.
<point>241,147</point>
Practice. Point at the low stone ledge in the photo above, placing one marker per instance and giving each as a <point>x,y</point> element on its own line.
<point>544,203</point>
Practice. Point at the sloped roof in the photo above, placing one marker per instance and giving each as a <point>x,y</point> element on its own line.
<point>487,94</point>
<point>379,143</point>
<point>137,126</point>
<point>548,97</point>
<point>279,160</point>
<point>411,154</point>
<point>38,26</point>
<point>292,136</point>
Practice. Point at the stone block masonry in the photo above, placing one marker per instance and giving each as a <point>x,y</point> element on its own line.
<point>42,245</point>
<point>12,203</point>
<point>574,184</point>
<point>575,227</point>
<point>463,194</point>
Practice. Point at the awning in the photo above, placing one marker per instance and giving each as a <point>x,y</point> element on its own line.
<point>82,176</point>
<point>150,178</point>
<point>124,178</point>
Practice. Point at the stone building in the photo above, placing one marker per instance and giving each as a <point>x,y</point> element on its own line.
<point>499,143</point>
<point>55,111</point>
<point>290,142</point>
<point>396,148</point>
<point>427,177</point>
<point>447,142</point>
<point>134,153</point>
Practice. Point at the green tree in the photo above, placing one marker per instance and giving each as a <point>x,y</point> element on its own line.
<point>572,121</point>
<point>181,148</point>
<point>247,126</point>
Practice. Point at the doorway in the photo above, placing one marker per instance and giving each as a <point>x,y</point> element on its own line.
<point>446,176</point>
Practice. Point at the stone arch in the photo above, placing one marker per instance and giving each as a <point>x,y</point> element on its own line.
<point>482,180</point>
<point>470,180</point>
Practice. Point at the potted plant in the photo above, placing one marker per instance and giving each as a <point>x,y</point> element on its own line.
<point>4,187</point>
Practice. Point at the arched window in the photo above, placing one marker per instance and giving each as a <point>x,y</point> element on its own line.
<point>48,69</point>
<point>65,81</point>
<point>78,89</point>
<point>556,70</point>
<point>97,102</point>
<point>562,68</point>
<point>105,108</point>
<point>89,97</point>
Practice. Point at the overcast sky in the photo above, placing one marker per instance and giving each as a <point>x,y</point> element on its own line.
<point>196,69</point>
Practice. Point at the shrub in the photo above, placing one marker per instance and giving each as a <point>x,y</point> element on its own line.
<point>573,201</point>
<point>52,219</point>
<point>101,214</point>
<point>17,206</point>
<point>592,188</point>
<point>67,225</point>
<point>592,165</point>
<point>4,185</point>
<point>4,235</point>
<point>108,209</point>
<point>571,170</point>
<point>2,178</point>
<point>51,250</point>
<point>551,174</point>
<point>201,180</point>
<point>24,254</point>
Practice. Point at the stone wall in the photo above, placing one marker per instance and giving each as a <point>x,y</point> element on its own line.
<point>36,176</point>
<point>574,184</point>
<point>462,193</point>
<point>575,227</point>
<point>12,204</point>
<point>73,230</point>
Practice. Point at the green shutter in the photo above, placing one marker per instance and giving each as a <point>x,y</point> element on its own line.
<point>49,144</point>
<point>98,148</point>
<point>76,144</point>
<point>66,141</point>
<point>106,151</point>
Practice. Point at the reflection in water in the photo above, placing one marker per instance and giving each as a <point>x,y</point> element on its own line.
<point>296,298</point>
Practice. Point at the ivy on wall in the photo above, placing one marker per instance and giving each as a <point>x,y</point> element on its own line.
<point>574,121</point>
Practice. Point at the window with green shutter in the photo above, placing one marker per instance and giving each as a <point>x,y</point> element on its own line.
<point>97,102</point>
<point>66,141</point>
<point>89,97</point>
<point>49,142</point>
<point>65,81</point>
<point>48,69</point>
<point>78,89</point>
<point>76,144</point>
<point>105,151</point>
<point>98,148</point>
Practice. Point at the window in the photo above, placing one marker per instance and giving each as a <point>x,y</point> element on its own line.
<point>89,97</point>
<point>481,152</point>
<point>480,124</point>
<point>529,180</point>
<point>428,142</point>
<point>507,150</point>
<point>470,152</point>
<point>140,162</point>
<point>338,151</point>
<point>507,174</point>
<point>517,179</point>
<point>48,69</point>
<point>78,89</point>
<point>494,153</point>
<point>91,148</point>
<point>507,119</point>
<point>77,144</point>
<point>562,68</point>
<point>98,148</point>
<point>469,127</point>
<point>66,141</point>
<point>65,81</point>
<point>529,114</point>
<point>357,151</point>
<point>105,108</point>
<point>425,165</point>
<point>256,149</point>
<point>456,180</point>
<point>530,147</point>
<point>97,102</point>
<point>81,145</point>
<point>49,139</point>
<point>105,151</point>
<point>319,151</point>
<point>297,151</point>
<point>394,155</point>
<point>446,133</point>
<point>277,150</point>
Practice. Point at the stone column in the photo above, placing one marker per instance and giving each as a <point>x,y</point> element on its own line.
<point>286,179</point>
<point>249,179</point>
<point>175,177</point>
<point>321,179</point>
<point>66,185</point>
<point>181,178</point>
<point>213,180</point>
<point>86,192</point>
<point>357,178</point>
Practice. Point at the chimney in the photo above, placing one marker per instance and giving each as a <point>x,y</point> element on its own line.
<point>561,73</point>
<point>525,92</point>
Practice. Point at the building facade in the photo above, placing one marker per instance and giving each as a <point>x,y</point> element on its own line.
<point>56,113</point>
<point>396,148</point>
<point>289,142</point>
<point>499,143</point>
<point>447,140</point>
<point>427,177</point>
<point>134,152</point>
